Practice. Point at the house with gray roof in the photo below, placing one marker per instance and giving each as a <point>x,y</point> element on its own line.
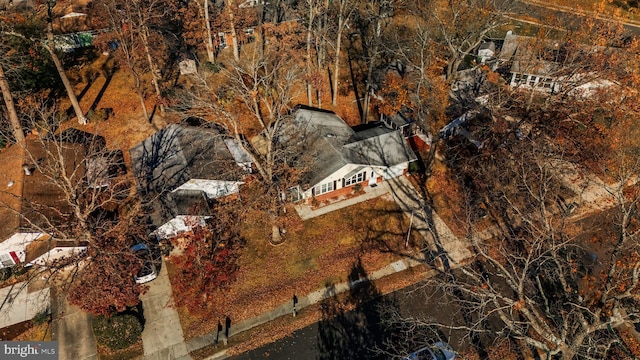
<point>345,158</point>
<point>33,207</point>
<point>539,64</point>
<point>180,169</point>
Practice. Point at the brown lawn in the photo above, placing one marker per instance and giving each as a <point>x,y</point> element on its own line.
<point>322,252</point>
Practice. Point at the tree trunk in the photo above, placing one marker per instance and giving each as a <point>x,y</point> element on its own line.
<point>308,60</point>
<point>153,66</point>
<point>336,64</point>
<point>136,79</point>
<point>234,36</point>
<point>16,128</point>
<point>371,63</point>
<point>209,41</point>
<point>63,76</point>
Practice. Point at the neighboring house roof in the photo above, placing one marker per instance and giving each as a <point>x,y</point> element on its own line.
<point>179,153</point>
<point>34,202</point>
<point>334,144</point>
<point>523,52</point>
<point>181,167</point>
<point>488,45</point>
<point>212,188</point>
<point>180,224</point>
<point>534,67</point>
<point>510,45</point>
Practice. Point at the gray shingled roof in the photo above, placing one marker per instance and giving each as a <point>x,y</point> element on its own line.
<point>177,154</point>
<point>335,144</point>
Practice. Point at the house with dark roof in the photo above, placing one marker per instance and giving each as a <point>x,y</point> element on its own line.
<point>180,169</point>
<point>539,64</point>
<point>32,206</point>
<point>345,158</point>
<point>402,120</point>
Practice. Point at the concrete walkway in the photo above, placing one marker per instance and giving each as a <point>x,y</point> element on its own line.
<point>428,223</point>
<point>162,336</point>
<point>307,212</point>
<point>73,331</point>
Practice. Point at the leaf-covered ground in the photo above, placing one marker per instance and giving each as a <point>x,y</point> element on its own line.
<point>322,252</point>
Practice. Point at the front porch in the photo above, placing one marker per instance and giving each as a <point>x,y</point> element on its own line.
<point>307,211</point>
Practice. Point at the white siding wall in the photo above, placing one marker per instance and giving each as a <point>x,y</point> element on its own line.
<point>17,243</point>
<point>57,253</point>
<point>377,171</point>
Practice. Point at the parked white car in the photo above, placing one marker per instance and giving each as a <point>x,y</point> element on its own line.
<point>148,271</point>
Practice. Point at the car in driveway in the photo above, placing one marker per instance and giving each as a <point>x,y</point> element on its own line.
<point>437,351</point>
<point>148,271</point>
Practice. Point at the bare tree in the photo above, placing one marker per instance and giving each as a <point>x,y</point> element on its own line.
<point>314,9</point>
<point>50,46</point>
<point>557,284</point>
<point>342,13</point>
<point>371,20</point>
<point>209,36</point>
<point>16,127</point>
<point>462,26</point>
<point>231,9</point>
<point>76,191</point>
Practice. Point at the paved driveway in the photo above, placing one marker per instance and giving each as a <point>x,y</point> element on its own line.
<point>162,336</point>
<point>74,333</point>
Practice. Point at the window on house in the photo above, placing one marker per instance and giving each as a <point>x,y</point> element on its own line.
<point>295,194</point>
<point>532,80</point>
<point>324,188</point>
<point>517,78</point>
<point>547,83</point>
<point>355,179</point>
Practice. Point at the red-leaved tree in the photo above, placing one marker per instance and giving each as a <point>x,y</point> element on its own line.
<point>208,256</point>
<point>106,284</point>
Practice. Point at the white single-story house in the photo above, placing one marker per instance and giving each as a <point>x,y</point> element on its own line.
<point>535,64</point>
<point>345,159</point>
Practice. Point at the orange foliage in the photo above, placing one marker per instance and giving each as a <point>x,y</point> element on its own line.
<point>394,95</point>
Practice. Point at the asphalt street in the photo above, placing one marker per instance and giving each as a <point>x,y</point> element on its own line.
<point>375,330</point>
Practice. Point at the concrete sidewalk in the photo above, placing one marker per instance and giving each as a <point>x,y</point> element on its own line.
<point>286,309</point>
<point>307,212</point>
<point>73,331</point>
<point>162,336</point>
